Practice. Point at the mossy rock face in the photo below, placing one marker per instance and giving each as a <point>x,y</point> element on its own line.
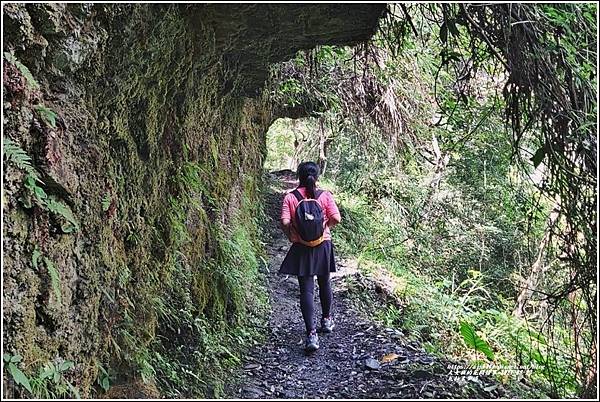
<point>157,149</point>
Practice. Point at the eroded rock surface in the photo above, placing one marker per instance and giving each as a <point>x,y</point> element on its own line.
<point>147,122</point>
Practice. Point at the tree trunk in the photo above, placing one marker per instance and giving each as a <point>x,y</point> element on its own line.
<point>323,142</point>
<point>590,390</point>
<point>440,164</point>
<point>538,268</point>
<point>299,142</point>
<point>441,161</point>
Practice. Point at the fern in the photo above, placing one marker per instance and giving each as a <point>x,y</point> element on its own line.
<point>54,279</point>
<point>106,201</point>
<point>63,210</point>
<point>32,83</point>
<point>19,157</point>
<point>47,114</point>
<point>35,257</point>
<point>473,340</point>
<point>37,191</point>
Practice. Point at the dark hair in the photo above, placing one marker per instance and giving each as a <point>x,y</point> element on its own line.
<point>308,172</point>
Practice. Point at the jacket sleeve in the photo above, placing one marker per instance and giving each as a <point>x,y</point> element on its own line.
<point>285,208</point>
<point>331,207</point>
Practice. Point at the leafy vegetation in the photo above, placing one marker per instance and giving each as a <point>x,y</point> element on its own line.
<point>33,190</point>
<point>474,341</point>
<point>104,379</point>
<point>54,279</point>
<point>14,153</point>
<point>31,82</point>
<point>52,383</point>
<point>47,115</point>
<point>106,201</point>
<point>437,148</point>
<point>460,143</point>
<point>10,362</point>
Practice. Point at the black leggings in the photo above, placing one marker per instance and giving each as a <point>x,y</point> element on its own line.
<point>307,291</point>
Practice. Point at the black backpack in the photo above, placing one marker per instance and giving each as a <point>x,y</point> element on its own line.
<point>309,219</point>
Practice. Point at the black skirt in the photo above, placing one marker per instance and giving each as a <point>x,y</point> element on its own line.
<point>303,260</point>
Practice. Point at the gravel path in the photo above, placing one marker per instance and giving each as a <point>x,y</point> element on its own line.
<point>360,359</point>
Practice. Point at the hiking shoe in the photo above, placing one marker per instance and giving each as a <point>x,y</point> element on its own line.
<point>312,342</point>
<point>327,324</point>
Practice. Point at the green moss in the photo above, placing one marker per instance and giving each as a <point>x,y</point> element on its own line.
<point>165,280</point>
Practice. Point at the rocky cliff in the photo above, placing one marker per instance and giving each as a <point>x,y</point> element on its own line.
<point>134,137</point>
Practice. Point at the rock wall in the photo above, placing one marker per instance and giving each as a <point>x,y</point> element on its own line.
<point>134,137</point>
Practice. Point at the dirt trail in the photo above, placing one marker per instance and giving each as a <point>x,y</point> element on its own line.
<point>349,361</point>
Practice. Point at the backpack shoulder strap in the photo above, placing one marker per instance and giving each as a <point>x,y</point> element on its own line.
<point>297,195</point>
<point>318,193</point>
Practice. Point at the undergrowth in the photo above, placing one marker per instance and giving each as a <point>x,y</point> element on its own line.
<point>34,193</point>
<point>432,308</point>
<point>209,306</point>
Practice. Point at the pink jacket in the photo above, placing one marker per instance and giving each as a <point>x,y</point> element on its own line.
<point>290,202</point>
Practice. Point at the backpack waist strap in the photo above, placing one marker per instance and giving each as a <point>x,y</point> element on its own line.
<point>313,243</point>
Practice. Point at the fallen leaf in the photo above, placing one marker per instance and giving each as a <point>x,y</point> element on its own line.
<point>389,358</point>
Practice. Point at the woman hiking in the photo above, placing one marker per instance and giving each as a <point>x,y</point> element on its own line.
<point>307,215</point>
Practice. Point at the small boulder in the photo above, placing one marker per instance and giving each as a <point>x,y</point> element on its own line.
<point>372,364</point>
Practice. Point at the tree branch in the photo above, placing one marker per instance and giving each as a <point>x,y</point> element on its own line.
<point>483,36</point>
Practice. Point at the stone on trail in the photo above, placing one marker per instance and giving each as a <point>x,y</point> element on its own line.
<point>372,364</point>
<point>253,390</point>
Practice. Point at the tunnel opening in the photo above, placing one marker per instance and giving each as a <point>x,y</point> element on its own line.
<point>291,141</point>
